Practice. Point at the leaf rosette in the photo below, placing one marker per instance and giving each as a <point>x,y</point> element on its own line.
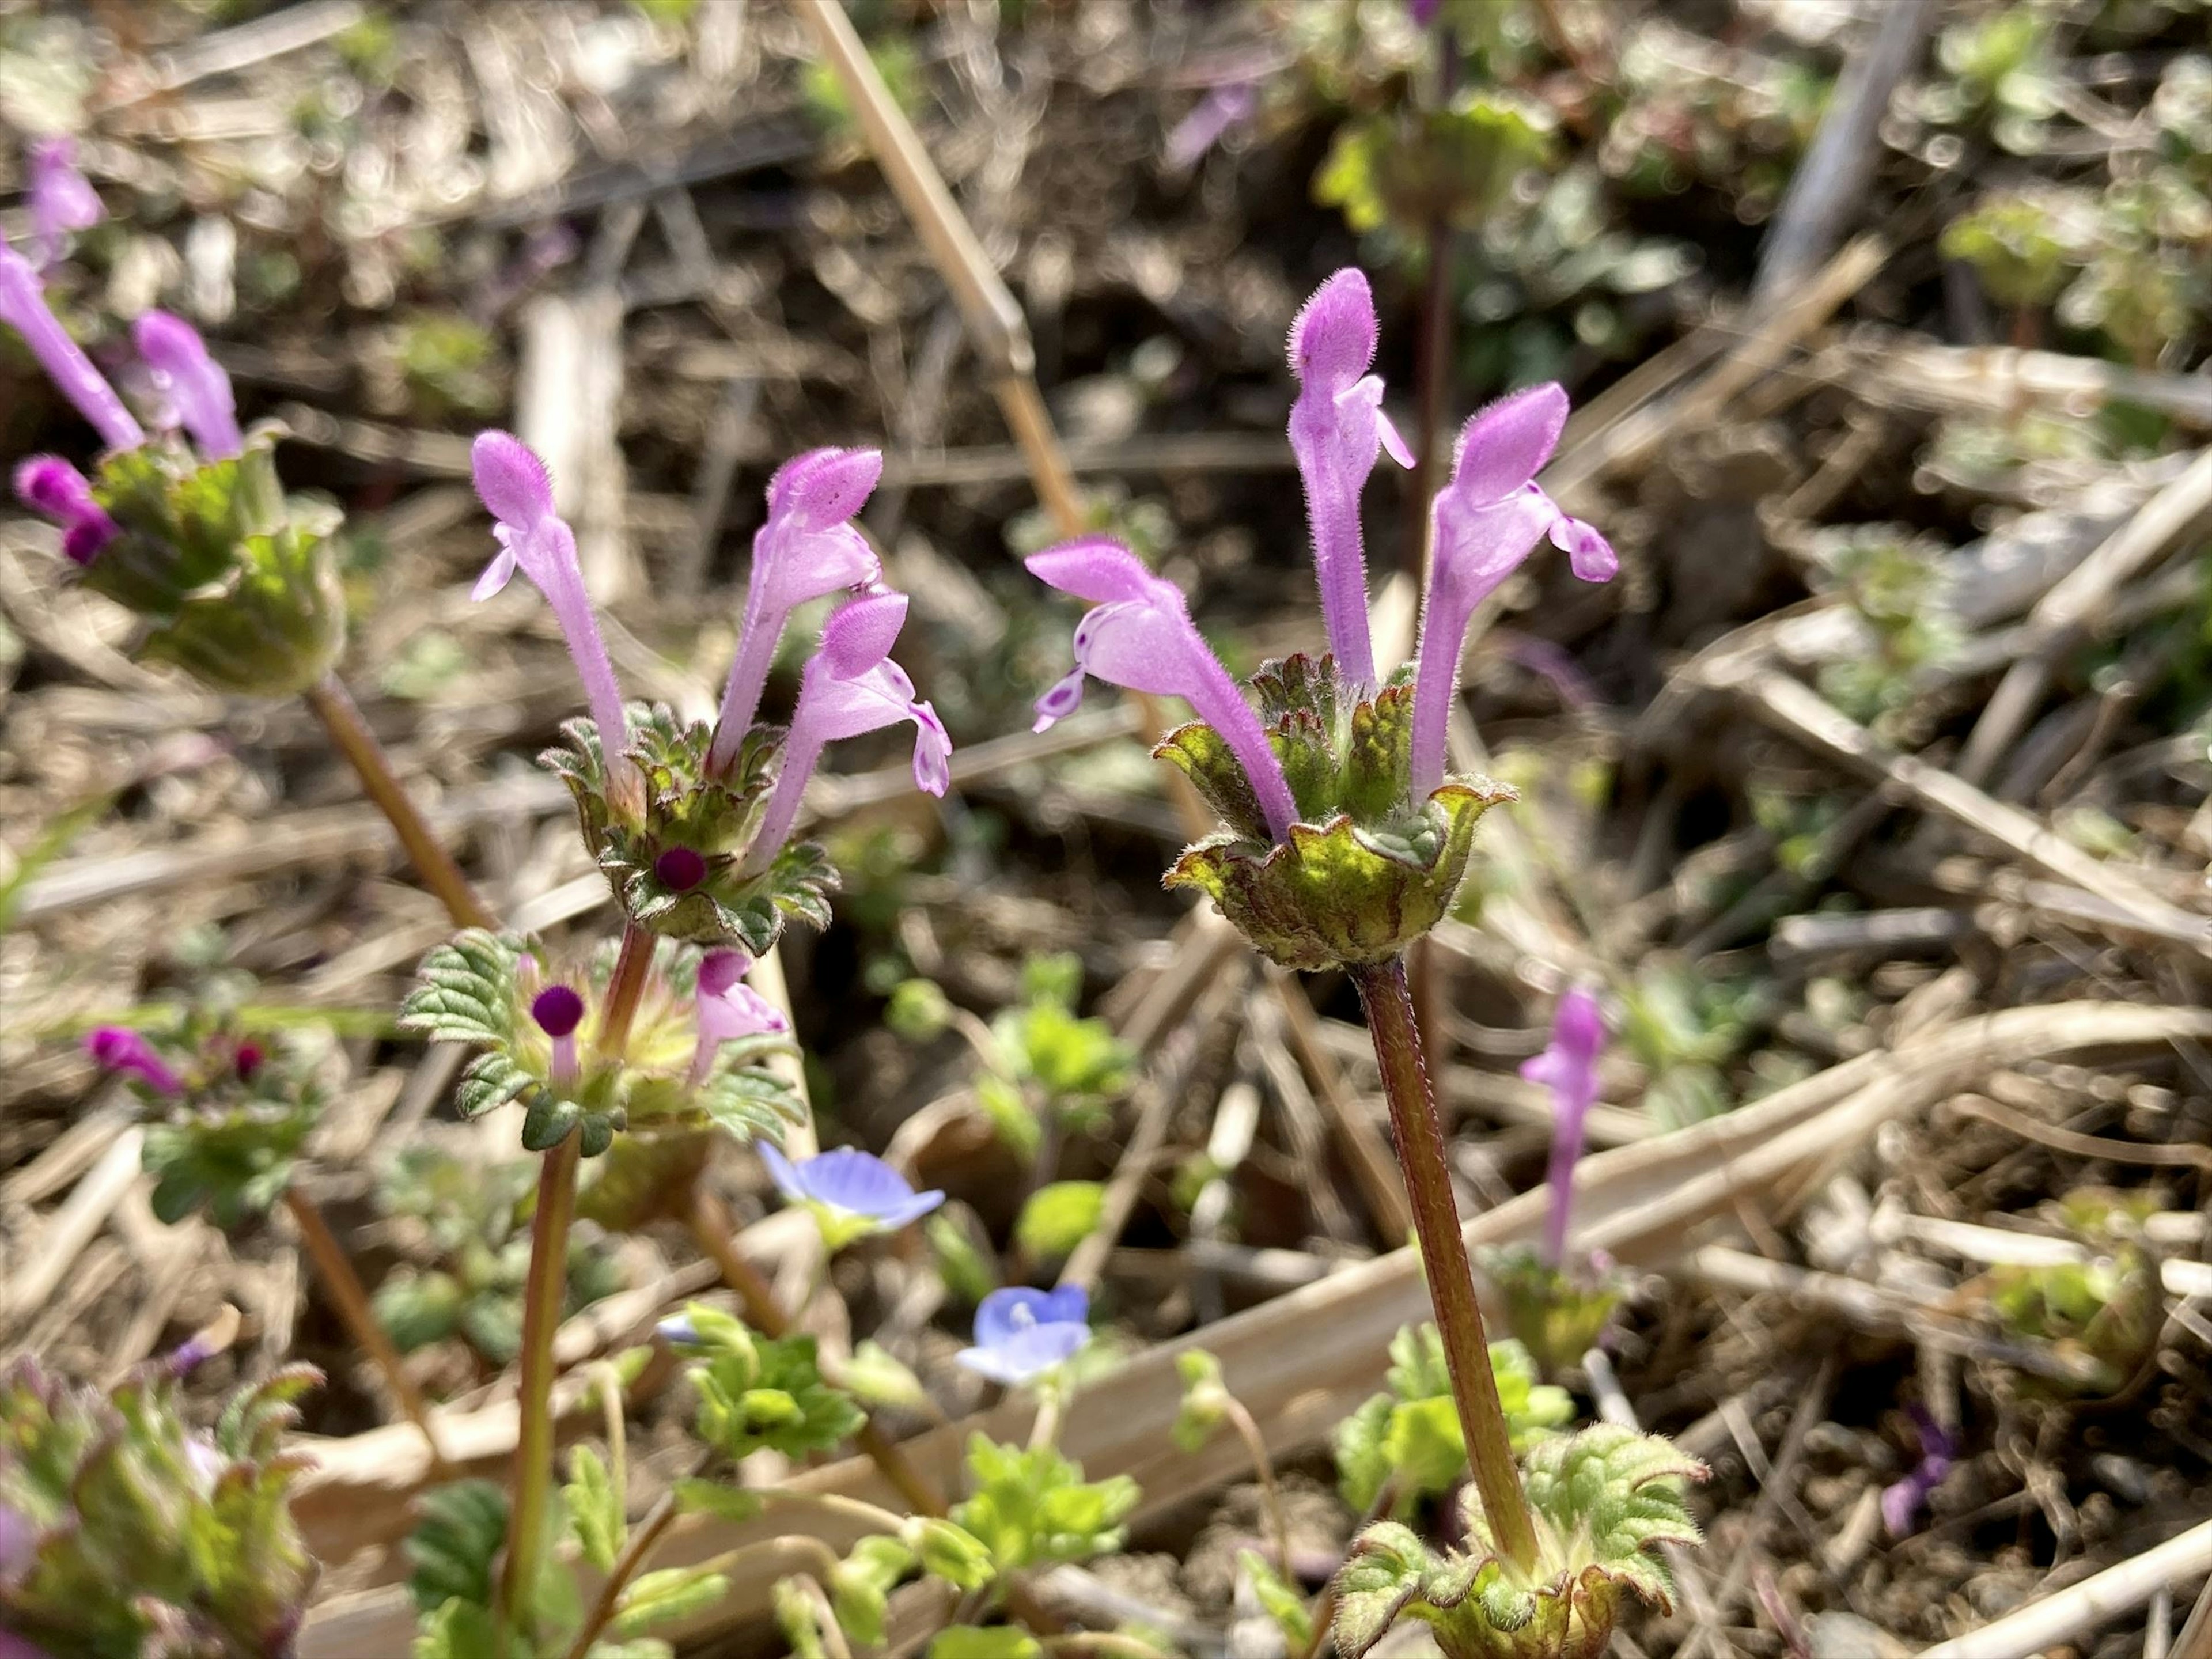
<point>1601,1499</point>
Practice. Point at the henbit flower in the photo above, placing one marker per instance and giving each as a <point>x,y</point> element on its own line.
<point>1486,521</point>
<point>1337,429</point>
<point>1901,1500</point>
<point>851,1192</point>
<point>807,549</point>
<point>679,869</point>
<point>559,1010</point>
<point>23,308</point>
<point>120,1049</point>
<point>61,199</point>
<point>48,485</point>
<point>518,491</point>
<point>197,391</point>
<point>1139,635</point>
<point>1568,1067</point>
<point>1021,1334</point>
<point>851,686</point>
<point>727,1008</point>
<point>1228,106</point>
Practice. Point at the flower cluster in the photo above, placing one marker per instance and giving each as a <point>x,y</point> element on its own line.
<point>189,527</point>
<point>690,1060</point>
<point>1345,836</point>
<point>228,1115</point>
<point>692,823</point>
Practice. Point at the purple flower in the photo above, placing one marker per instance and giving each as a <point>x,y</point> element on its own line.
<point>1139,635</point>
<point>61,200</point>
<point>852,1194</point>
<point>19,1543</point>
<point>728,1008</point>
<point>851,686</point>
<point>559,1010</point>
<point>1487,520</point>
<point>518,491</point>
<point>1021,1334</point>
<point>1901,1501</point>
<point>118,1049</point>
<point>1222,107</point>
<point>679,869</point>
<point>1569,1069</point>
<point>48,485</point>
<point>1423,12</point>
<point>1337,429</point>
<point>197,391</point>
<point>23,308</point>
<point>806,550</point>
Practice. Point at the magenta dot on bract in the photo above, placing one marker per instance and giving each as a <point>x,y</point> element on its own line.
<point>558,1010</point>
<point>680,869</point>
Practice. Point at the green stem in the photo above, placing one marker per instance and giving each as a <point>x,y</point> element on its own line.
<point>543,1293</point>
<point>643,1538</point>
<point>1397,1037</point>
<point>349,734</point>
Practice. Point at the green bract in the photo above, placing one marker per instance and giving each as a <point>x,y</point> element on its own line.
<point>1556,1312</point>
<point>476,989</point>
<point>143,1536</point>
<point>686,808</point>
<point>235,581</point>
<point>1367,870</point>
<point>1601,1499</point>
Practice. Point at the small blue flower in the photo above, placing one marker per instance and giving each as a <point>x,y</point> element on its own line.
<point>678,1331</point>
<point>1021,1334</point>
<point>852,1194</point>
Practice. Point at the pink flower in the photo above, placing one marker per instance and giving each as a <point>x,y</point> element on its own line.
<point>23,308</point>
<point>727,1008</point>
<point>50,485</point>
<point>197,391</point>
<point>1139,635</point>
<point>517,489</point>
<point>1568,1067</point>
<point>61,200</point>
<point>1338,428</point>
<point>851,686</point>
<point>1487,520</point>
<point>1222,108</point>
<point>118,1049</point>
<point>807,549</point>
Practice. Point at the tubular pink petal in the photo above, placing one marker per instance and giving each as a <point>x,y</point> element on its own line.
<point>1063,699</point>
<point>1096,568</point>
<point>23,308</point>
<point>726,1008</point>
<point>1568,1067</point>
<point>1336,432</point>
<point>53,486</point>
<point>1589,553</point>
<point>511,481</point>
<point>192,381</point>
<point>859,636</point>
<point>1333,335</point>
<point>933,752</point>
<point>824,486</point>
<point>61,199</point>
<point>1507,443</point>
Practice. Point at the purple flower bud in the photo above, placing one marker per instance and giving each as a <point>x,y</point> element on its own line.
<point>61,200</point>
<point>118,1049</point>
<point>519,492</point>
<point>680,869</point>
<point>852,1193</point>
<point>50,485</point>
<point>806,550</point>
<point>1222,108</point>
<point>23,308</point>
<point>728,1008</point>
<point>851,686</point>
<point>1568,1067</point>
<point>1902,1500</point>
<point>247,1059</point>
<point>197,390</point>
<point>1337,429</point>
<point>1487,520</point>
<point>1021,1334</point>
<point>1140,637</point>
<point>559,1010</point>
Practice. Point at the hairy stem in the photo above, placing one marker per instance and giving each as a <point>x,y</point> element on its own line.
<point>632,964</point>
<point>542,1294</point>
<point>335,1269</point>
<point>1397,1037</point>
<point>334,706</point>
<point>711,1229</point>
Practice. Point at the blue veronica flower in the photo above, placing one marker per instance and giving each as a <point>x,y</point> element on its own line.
<point>1021,1334</point>
<point>852,1194</point>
